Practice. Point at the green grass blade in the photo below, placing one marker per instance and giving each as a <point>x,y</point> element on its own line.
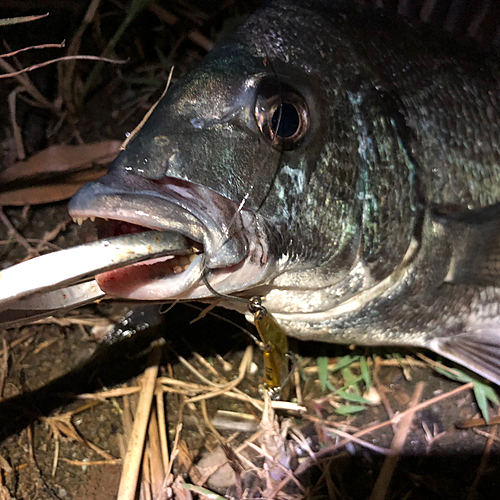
<point>322,362</point>
<point>484,393</point>
<point>365,372</point>
<point>344,362</point>
<point>354,398</point>
<point>349,410</point>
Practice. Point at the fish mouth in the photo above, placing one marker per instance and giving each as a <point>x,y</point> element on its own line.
<point>229,245</point>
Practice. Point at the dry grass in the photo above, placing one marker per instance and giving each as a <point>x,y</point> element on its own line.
<point>279,452</point>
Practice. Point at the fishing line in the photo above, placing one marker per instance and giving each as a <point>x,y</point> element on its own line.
<point>274,134</point>
<point>226,320</point>
<point>247,195</point>
<point>252,302</point>
<point>204,278</point>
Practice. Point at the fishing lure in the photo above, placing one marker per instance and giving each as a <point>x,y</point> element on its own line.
<point>274,346</point>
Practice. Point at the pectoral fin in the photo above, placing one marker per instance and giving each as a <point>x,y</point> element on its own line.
<point>475,239</point>
<point>479,351</point>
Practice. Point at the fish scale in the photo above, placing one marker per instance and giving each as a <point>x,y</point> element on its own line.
<point>339,163</point>
<point>477,19</point>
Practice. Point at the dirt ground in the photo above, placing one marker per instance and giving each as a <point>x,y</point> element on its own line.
<point>56,444</point>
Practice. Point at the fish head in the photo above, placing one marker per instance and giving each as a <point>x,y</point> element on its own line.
<point>249,157</point>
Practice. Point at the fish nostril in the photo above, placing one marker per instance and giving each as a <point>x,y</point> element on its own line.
<point>198,123</point>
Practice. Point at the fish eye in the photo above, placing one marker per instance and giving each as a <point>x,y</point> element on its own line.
<point>282,114</point>
<point>285,121</point>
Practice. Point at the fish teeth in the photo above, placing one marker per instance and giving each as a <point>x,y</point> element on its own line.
<point>79,220</point>
<point>184,261</point>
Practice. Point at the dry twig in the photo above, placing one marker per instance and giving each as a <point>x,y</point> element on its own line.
<point>384,479</point>
<point>132,461</point>
<point>484,461</point>
<point>372,428</point>
<point>171,19</point>
<point>14,233</point>
<point>19,20</point>
<point>4,368</point>
<point>11,74</point>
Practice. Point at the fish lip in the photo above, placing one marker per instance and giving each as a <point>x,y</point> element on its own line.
<point>100,201</point>
<point>118,206</point>
<point>168,205</point>
<point>117,200</point>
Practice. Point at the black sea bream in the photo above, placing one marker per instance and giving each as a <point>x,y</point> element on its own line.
<point>339,163</point>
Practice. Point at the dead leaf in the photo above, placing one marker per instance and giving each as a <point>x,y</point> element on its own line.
<point>180,492</point>
<point>38,194</point>
<point>215,467</point>
<point>185,457</point>
<point>4,493</point>
<point>49,193</point>
<point>61,159</point>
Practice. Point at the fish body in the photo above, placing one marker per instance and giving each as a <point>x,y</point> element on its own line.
<point>340,164</point>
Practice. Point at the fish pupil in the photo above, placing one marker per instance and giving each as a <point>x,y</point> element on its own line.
<point>281,113</point>
<point>286,120</point>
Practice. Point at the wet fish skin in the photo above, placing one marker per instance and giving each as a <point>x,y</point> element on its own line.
<point>380,226</point>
